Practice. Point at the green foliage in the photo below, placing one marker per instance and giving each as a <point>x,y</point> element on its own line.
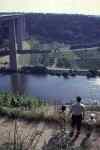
<point>63,62</point>
<point>12,101</point>
<point>70,29</point>
<point>70,55</point>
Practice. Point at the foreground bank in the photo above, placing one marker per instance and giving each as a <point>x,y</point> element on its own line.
<point>27,122</point>
<point>26,108</point>
<point>34,109</point>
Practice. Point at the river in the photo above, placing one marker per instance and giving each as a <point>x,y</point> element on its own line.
<point>52,88</point>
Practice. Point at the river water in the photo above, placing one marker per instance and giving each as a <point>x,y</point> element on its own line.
<point>52,88</point>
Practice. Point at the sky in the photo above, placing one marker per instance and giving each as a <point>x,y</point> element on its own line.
<point>91,7</point>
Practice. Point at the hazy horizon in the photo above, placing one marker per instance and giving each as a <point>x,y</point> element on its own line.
<point>86,7</point>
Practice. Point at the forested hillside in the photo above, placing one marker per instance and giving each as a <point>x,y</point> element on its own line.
<point>72,29</point>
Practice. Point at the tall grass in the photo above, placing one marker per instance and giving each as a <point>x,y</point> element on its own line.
<point>19,141</point>
<point>10,100</point>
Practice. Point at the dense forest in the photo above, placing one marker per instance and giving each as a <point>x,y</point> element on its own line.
<point>77,30</point>
<point>71,29</point>
<point>4,33</point>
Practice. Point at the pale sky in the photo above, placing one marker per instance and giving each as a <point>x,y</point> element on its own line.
<point>91,7</point>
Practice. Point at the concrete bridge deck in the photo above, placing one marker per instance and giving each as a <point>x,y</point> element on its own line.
<point>8,52</point>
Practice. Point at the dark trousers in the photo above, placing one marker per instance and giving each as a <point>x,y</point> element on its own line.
<point>76,122</point>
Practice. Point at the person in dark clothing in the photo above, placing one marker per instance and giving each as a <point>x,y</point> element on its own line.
<point>62,117</point>
<point>77,111</point>
<point>63,108</point>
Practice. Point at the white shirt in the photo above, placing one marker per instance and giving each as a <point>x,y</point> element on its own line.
<point>91,121</point>
<point>77,108</point>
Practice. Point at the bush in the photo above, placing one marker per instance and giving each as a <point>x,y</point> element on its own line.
<point>11,100</point>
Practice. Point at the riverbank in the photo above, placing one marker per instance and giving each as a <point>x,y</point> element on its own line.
<point>42,70</point>
<point>40,124</point>
<point>27,108</point>
<point>43,135</point>
<point>33,109</point>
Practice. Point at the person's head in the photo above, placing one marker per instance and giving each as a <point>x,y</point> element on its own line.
<point>92,116</point>
<point>78,99</point>
<point>63,108</point>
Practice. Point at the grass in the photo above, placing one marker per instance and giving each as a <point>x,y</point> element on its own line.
<point>70,55</point>
<point>32,109</point>
<point>30,115</point>
<point>17,140</point>
<point>25,107</point>
<point>12,101</point>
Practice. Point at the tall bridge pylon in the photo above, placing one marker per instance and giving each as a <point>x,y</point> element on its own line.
<point>16,24</point>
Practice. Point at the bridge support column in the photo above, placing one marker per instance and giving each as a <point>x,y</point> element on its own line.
<point>12,45</point>
<point>20,32</point>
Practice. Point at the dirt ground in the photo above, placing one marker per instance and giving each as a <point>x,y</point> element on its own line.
<point>40,136</point>
<point>43,136</point>
<point>31,134</point>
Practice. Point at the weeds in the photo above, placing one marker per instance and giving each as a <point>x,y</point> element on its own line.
<point>17,140</point>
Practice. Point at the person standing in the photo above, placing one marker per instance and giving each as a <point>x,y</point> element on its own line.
<point>62,115</point>
<point>91,123</point>
<point>77,111</point>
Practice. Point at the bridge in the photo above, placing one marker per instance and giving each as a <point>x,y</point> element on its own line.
<point>16,25</point>
<point>34,51</point>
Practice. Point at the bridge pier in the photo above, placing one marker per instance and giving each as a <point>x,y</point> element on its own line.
<point>20,32</point>
<point>12,45</point>
<point>16,36</point>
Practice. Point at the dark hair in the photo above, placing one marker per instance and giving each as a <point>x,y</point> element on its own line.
<point>63,107</point>
<point>78,98</point>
